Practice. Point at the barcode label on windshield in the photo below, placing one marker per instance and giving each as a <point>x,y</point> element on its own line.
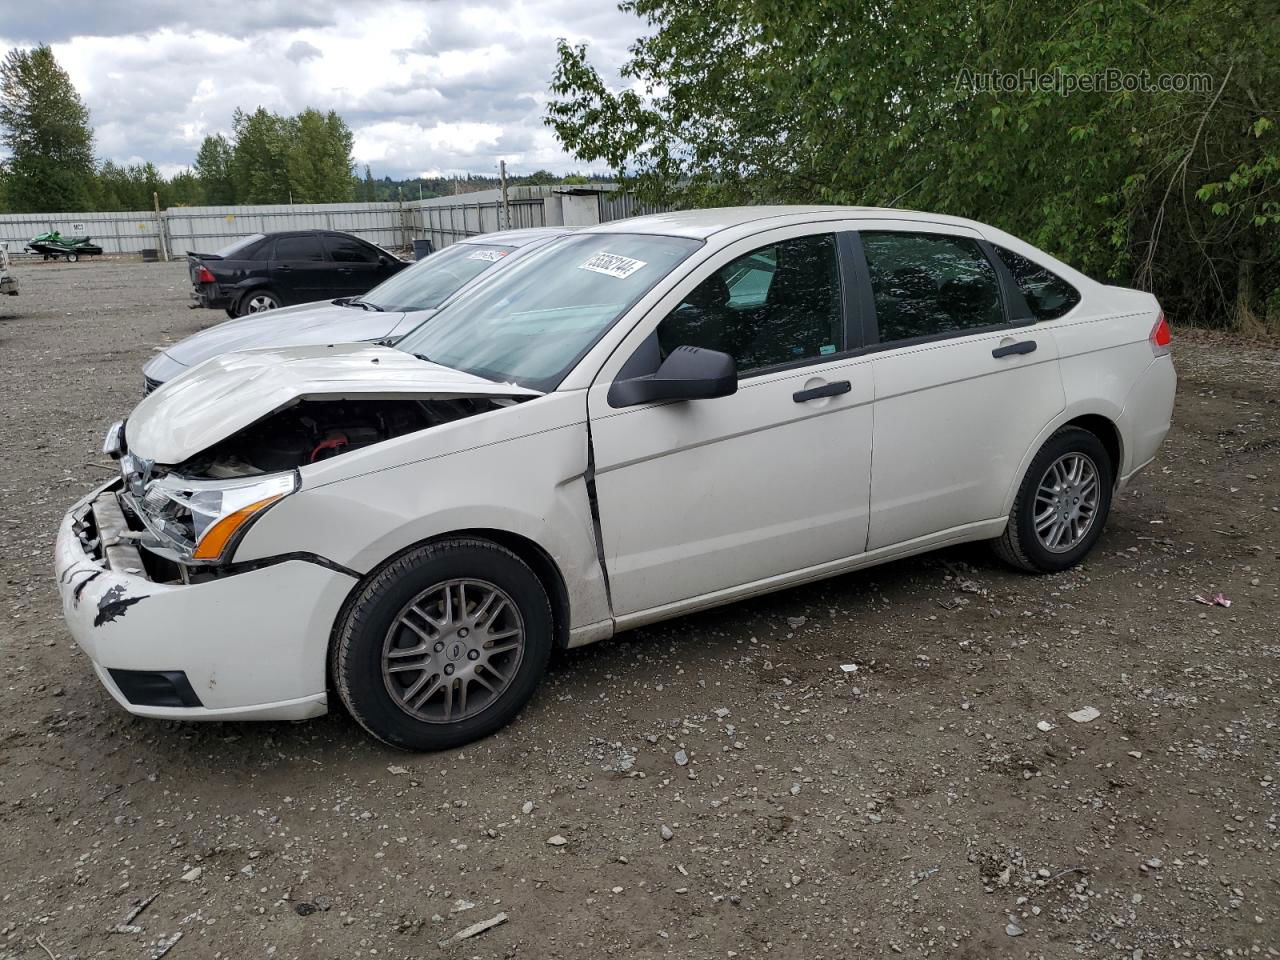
<point>489,256</point>
<point>612,265</point>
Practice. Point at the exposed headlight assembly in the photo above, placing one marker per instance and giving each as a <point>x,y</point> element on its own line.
<point>203,520</point>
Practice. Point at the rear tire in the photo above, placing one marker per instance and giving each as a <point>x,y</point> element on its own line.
<point>1061,506</point>
<point>443,646</point>
<point>257,301</point>
<point>73,257</point>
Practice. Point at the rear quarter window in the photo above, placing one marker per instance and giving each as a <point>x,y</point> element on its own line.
<point>1046,293</point>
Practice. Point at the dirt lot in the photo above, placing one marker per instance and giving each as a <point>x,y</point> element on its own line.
<point>912,807</point>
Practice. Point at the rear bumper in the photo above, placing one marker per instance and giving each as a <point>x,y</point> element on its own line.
<point>252,645</point>
<point>209,295</point>
<point>1147,416</point>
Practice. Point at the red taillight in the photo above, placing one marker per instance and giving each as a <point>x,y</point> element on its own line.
<point>204,276</point>
<point>1160,335</point>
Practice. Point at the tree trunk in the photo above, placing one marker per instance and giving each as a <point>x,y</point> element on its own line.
<point>1245,318</point>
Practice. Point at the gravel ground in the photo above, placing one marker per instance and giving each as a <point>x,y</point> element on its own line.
<point>713,787</point>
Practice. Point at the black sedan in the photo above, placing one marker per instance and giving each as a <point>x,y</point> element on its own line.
<point>272,270</point>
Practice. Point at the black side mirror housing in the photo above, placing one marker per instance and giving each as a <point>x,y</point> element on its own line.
<point>688,373</point>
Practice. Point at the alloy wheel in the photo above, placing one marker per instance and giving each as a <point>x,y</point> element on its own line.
<point>453,650</point>
<point>1066,502</point>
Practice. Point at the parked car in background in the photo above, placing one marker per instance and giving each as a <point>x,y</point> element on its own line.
<point>266,271</point>
<point>8,282</point>
<point>389,310</point>
<point>647,418</point>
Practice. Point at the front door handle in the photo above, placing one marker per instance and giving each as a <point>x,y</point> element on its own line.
<point>1009,349</point>
<point>283,267</point>
<point>826,390</point>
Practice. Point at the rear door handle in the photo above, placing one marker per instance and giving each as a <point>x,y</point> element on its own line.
<point>1009,349</point>
<point>283,267</point>
<point>826,390</point>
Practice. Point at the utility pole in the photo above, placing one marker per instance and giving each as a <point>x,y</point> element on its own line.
<point>506,202</point>
<point>164,241</point>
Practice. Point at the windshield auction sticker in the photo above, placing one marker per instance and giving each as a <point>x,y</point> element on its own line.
<point>612,265</point>
<point>489,256</point>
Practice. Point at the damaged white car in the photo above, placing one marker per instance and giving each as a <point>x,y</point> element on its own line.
<point>643,419</point>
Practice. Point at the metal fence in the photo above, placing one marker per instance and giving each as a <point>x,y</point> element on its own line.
<point>442,220</point>
<point>207,228</point>
<point>128,231</point>
<point>446,220</point>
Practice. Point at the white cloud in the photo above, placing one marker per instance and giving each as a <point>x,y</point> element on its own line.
<point>449,85</point>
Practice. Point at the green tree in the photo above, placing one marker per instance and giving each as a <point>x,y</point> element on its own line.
<point>318,162</point>
<point>184,189</point>
<point>746,101</point>
<point>213,169</point>
<point>259,162</point>
<point>46,130</point>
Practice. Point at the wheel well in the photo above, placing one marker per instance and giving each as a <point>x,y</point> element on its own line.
<point>539,562</point>
<point>1105,431</point>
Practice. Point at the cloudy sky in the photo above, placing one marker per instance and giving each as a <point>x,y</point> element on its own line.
<point>427,86</point>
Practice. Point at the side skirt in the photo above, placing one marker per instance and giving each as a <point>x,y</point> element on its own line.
<point>982,530</point>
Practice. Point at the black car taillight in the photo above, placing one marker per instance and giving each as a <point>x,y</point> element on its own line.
<point>204,276</point>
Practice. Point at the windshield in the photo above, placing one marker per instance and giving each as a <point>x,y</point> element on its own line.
<point>235,246</point>
<point>534,323</point>
<point>429,282</point>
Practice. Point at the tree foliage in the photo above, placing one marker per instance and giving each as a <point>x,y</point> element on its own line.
<point>745,101</point>
<point>46,130</point>
<point>213,171</point>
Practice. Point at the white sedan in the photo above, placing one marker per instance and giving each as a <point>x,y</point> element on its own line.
<point>642,419</point>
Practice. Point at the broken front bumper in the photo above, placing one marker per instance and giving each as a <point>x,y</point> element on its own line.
<point>248,646</point>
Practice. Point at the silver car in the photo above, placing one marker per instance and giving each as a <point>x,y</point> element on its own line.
<point>387,312</point>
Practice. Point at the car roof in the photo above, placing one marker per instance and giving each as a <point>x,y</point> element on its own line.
<point>518,238</point>
<point>312,232</point>
<point>701,224</point>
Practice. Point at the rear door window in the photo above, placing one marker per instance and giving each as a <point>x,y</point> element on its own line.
<point>299,248</point>
<point>1046,293</point>
<point>930,284</point>
<point>349,250</point>
<point>242,249</point>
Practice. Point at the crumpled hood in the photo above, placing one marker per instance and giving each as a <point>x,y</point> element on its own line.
<point>221,396</point>
<point>297,326</point>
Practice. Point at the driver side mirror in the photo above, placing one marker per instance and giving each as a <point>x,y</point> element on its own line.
<point>688,373</point>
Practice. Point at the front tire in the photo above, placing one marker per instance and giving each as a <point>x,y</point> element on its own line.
<point>444,645</point>
<point>1061,506</point>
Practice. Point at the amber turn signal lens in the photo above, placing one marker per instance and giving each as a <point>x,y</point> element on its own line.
<point>216,538</point>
